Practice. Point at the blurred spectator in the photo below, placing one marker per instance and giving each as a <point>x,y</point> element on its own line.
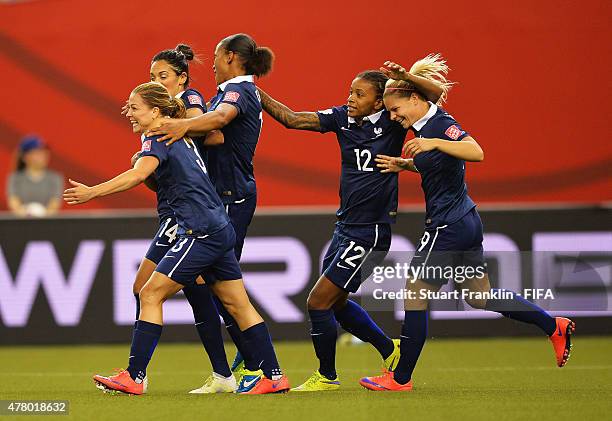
<point>33,189</point>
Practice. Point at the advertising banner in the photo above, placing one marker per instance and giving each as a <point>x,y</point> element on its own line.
<point>69,280</point>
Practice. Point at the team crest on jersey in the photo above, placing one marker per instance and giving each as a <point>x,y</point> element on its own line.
<point>194,100</point>
<point>453,132</point>
<point>378,131</point>
<point>231,96</point>
<point>146,146</point>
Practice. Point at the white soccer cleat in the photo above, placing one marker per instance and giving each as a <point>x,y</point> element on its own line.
<point>216,383</point>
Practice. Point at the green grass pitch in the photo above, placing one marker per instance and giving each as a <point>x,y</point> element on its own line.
<point>455,379</point>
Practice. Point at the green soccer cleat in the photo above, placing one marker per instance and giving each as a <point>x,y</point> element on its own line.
<point>239,370</point>
<point>318,383</point>
<point>391,361</point>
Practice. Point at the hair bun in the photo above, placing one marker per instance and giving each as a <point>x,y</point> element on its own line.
<point>261,64</point>
<point>256,60</point>
<point>186,51</point>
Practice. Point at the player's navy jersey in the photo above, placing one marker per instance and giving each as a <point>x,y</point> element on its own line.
<point>182,175</point>
<point>164,211</point>
<point>367,196</point>
<point>442,175</point>
<point>231,164</point>
<point>194,99</point>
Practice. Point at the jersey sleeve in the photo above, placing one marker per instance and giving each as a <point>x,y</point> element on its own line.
<point>151,147</point>
<point>235,95</point>
<point>193,99</point>
<point>332,118</point>
<point>451,130</point>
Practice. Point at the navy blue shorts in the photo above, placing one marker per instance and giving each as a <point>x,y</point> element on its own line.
<point>211,256</point>
<point>353,253</point>
<point>164,239</point>
<point>451,251</point>
<point>241,215</point>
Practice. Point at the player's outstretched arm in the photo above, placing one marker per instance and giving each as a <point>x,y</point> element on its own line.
<point>467,149</point>
<point>174,129</point>
<point>430,89</point>
<point>287,117</point>
<point>150,182</point>
<point>214,137</point>
<point>81,193</point>
<point>394,164</point>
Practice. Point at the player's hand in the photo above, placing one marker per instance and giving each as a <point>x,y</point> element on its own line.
<point>391,163</point>
<point>393,70</point>
<point>80,193</point>
<point>135,158</point>
<point>417,145</point>
<point>125,108</point>
<point>173,129</point>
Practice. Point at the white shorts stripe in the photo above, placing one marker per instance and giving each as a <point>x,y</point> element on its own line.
<point>181,259</point>
<point>366,256</point>
<point>433,242</point>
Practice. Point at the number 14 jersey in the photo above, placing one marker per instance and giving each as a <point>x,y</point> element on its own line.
<point>182,175</point>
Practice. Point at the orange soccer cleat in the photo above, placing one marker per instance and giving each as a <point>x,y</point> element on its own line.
<point>120,382</point>
<point>255,383</point>
<point>561,339</point>
<point>385,383</point>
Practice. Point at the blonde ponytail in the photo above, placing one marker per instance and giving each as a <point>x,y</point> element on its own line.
<point>434,68</point>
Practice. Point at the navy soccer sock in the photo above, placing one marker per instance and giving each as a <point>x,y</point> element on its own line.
<point>257,338</point>
<point>522,310</point>
<point>414,333</point>
<point>355,320</point>
<point>324,332</point>
<point>208,324</point>
<point>237,337</point>
<point>145,338</point>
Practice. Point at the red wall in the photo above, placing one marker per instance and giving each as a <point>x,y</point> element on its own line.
<point>533,85</point>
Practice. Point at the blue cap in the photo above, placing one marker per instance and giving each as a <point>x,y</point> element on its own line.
<point>30,143</point>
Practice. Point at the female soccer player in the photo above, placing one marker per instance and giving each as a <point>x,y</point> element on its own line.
<point>171,69</point>
<point>236,112</point>
<point>453,230</point>
<point>205,245</point>
<point>368,205</point>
